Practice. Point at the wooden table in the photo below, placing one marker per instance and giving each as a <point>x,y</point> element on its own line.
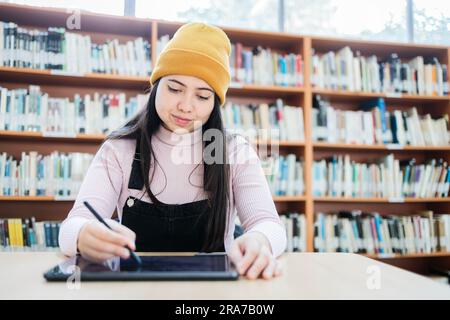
<point>305,276</point>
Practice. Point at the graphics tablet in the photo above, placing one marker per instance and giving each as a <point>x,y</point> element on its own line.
<point>160,267</point>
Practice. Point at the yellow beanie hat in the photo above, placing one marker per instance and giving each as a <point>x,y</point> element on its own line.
<point>199,50</point>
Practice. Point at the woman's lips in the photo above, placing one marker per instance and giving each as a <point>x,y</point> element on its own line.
<point>181,121</point>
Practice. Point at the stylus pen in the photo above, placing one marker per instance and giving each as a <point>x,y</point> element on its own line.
<point>99,218</point>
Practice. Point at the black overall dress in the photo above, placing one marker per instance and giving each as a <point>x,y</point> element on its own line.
<point>164,227</point>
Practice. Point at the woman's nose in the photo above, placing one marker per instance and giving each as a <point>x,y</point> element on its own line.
<point>185,104</point>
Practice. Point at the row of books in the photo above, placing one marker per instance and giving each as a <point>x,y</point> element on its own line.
<point>284,174</point>
<point>259,65</point>
<point>371,233</point>
<point>386,177</point>
<point>295,225</point>
<point>57,49</point>
<point>57,174</point>
<point>161,44</point>
<point>262,66</point>
<point>373,124</point>
<point>27,234</point>
<point>33,110</point>
<point>345,70</point>
<point>276,121</point>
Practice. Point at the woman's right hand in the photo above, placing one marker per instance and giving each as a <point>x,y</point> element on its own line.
<point>97,243</point>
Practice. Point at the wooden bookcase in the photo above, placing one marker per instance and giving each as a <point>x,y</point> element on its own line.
<point>102,27</point>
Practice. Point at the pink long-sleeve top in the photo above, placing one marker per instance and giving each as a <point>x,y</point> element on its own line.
<point>178,179</point>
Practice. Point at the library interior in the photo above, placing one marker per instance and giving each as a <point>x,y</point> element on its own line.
<point>336,113</point>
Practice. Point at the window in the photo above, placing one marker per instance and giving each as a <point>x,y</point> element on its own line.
<point>100,6</point>
<point>373,20</point>
<point>377,20</point>
<point>432,21</point>
<point>260,15</point>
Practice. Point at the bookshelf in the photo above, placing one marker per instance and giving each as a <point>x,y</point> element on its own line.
<point>91,79</point>
<point>102,27</point>
<point>381,147</point>
<point>345,100</point>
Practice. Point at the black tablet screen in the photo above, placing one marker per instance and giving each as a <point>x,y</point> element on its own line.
<point>160,264</point>
<point>199,266</point>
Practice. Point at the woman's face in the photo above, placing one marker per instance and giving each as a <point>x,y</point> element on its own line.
<point>183,102</point>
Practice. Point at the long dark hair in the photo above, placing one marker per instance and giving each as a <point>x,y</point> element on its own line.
<point>215,176</point>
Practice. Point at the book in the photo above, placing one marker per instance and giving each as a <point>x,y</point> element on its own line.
<point>372,233</point>
<point>295,225</point>
<point>66,52</point>
<point>369,126</point>
<point>284,174</point>
<point>264,66</point>
<point>31,110</point>
<point>57,174</point>
<point>268,122</point>
<point>28,235</point>
<point>348,71</point>
<point>385,177</point>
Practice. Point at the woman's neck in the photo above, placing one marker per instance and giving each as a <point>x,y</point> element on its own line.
<point>179,137</point>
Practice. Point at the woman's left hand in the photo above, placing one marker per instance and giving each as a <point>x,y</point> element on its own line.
<point>252,255</point>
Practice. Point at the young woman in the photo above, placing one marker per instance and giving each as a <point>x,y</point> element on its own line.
<point>175,176</point>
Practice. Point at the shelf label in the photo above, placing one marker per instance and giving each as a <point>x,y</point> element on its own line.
<point>393,95</point>
<point>396,200</point>
<point>236,85</point>
<point>66,73</point>
<point>58,135</point>
<point>394,146</point>
<point>64,198</point>
<point>385,255</point>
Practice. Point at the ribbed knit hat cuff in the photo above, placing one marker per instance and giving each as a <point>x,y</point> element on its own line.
<point>196,64</point>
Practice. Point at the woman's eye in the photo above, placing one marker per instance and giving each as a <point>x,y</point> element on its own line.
<point>172,89</point>
<point>203,98</point>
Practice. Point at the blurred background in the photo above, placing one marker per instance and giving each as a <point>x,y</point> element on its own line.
<point>415,21</point>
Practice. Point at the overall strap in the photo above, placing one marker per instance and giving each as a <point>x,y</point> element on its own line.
<point>136,180</point>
